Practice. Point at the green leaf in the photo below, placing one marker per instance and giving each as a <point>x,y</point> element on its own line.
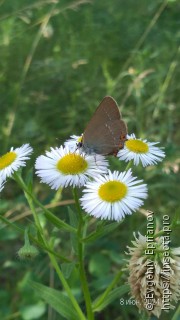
<point>99,265</point>
<point>58,222</point>
<point>176,315</point>
<point>13,225</point>
<point>114,294</point>
<point>67,269</point>
<point>102,231</point>
<point>57,300</point>
<point>34,311</point>
<point>29,180</point>
<point>73,218</point>
<point>100,284</point>
<point>40,238</point>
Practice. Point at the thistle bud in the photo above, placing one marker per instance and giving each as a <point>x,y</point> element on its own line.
<point>154,275</point>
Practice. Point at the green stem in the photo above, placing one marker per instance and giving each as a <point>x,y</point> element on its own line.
<point>51,256</point>
<point>161,232</point>
<point>35,216</point>
<point>80,234</point>
<point>145,316</point>
<point>100,300</point>
<point>26,237</point>
<point>76,198</point>
<point>66,287</point>
<point>129,165</point>
<point>48,213</point>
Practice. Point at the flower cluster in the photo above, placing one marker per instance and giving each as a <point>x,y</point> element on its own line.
<point>106,195</point>
<point>154,280</point>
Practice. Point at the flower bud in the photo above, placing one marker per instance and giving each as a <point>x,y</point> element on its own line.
<point>28,251</point>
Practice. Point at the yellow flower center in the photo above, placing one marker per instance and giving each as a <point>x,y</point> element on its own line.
<point>72,164</point>
<point>7,159</point>
<point>137,146</point>
<point>112,191</point>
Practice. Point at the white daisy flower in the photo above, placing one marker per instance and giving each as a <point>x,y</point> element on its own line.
<point>62,167</point>
<point>113,195</point>
<point>140,150</point>
<point>72,142</point>
<point>13,160</point>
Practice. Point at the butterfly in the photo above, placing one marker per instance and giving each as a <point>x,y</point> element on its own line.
<point>106,132</point>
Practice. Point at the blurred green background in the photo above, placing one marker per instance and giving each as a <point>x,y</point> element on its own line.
<point>58,59</point>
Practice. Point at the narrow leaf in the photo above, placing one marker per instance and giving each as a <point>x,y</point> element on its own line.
<point>58,222</point>
<point>101,232</point>
<point>67,269</point>
<point>114,294</point>
<point>57,300</point>
<point>176,315</point>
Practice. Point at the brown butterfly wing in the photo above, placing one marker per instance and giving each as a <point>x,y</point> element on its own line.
<point>105,130</point>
